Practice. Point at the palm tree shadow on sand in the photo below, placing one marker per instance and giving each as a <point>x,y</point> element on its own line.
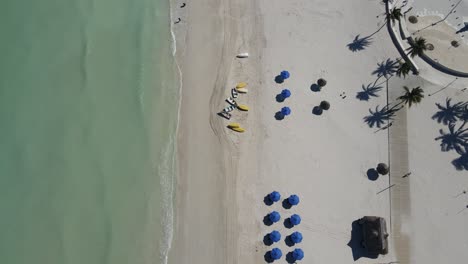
<point>386,68</point>
<point>359,44</point>
<point>380,117</point>
<point>461,163</point>
<point>455,139</point>
<point>368,91</point>
<point>449,112</point>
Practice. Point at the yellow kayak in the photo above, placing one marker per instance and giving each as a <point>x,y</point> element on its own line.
<point>242,107</point>
<point>242,90</point>
<point>241,85</point>
<point>234,125</point>
<point>238,129</point>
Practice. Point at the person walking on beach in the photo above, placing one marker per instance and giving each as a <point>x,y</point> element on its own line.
<point>178,21</point>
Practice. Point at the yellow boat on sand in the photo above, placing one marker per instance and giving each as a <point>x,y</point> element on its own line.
<point>233,125</point>
<point>238,129</point>
<point>241,85</point>
<point>242,107</point>
<point>242,90</point>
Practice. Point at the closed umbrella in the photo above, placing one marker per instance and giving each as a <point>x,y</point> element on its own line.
<point>286,93</point>
<point>296,237</point>
<point>276,253</point>
<point>274,196</point>
<point>295,219</point>
<point>274,216</point>
<point>274,236</point>
<point>298,254</point>
<point>285,111</point>
<point>284,74</point>
<point>382,168</point>
<point>293,199</point>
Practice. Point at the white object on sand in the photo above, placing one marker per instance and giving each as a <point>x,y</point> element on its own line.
<point>243,55</point>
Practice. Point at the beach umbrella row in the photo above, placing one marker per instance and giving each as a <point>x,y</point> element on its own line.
<point>276,196</point>
<point>275,254</point>
<point>274,217</point>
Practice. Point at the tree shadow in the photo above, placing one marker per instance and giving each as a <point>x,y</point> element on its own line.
<point>317,110</point>
<point>356,242</point>
<point>463,29</point>
<point>359,44</point>
<point>279,79</point>
<point>315,88</point>
<point>289,258</point>
<point>372,174</point>
<point>449,112</point>
<point>267,241</point>
<point>379,117</point>
<point>455,139</point>
<point>386,68</point>
<point>267,221</point>
<point>268,257</point>
<point>267,201</point>
<point>286,204</point>
<point>288,241</point>
<point>463,113</point>
<point>279,115</point>
<point>280,98</point>
<point>287,223</point>
<point>368,91</point>
<point>461,163</point>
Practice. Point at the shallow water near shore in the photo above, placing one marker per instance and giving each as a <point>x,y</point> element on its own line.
<point>89,108</point>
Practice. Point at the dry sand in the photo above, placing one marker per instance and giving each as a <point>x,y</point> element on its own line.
<point>224,177</point>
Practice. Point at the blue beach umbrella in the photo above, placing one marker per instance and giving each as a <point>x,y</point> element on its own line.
<point>295,219</point>
<point>298,254</point>
<point>296,237</point>
<point>274,196</point>
<point>274,216</point>
<point>276,253</point>
<point>274,236</point>
<point>286,93</point>
<point>285,111</point>
<point>293,199</point>
<point>284,74</point>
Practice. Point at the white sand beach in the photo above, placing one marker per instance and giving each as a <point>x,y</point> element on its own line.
<point>224,177</point>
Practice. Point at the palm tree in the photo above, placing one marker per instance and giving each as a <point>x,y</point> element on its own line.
<point>449,113</point>
<point>403,69</point>
<point>455,139</point>
<point>418,46</point>
<point>412,97</point>
<point>393,15</point>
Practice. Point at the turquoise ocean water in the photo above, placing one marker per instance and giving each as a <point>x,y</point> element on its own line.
<point>88,115</point>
